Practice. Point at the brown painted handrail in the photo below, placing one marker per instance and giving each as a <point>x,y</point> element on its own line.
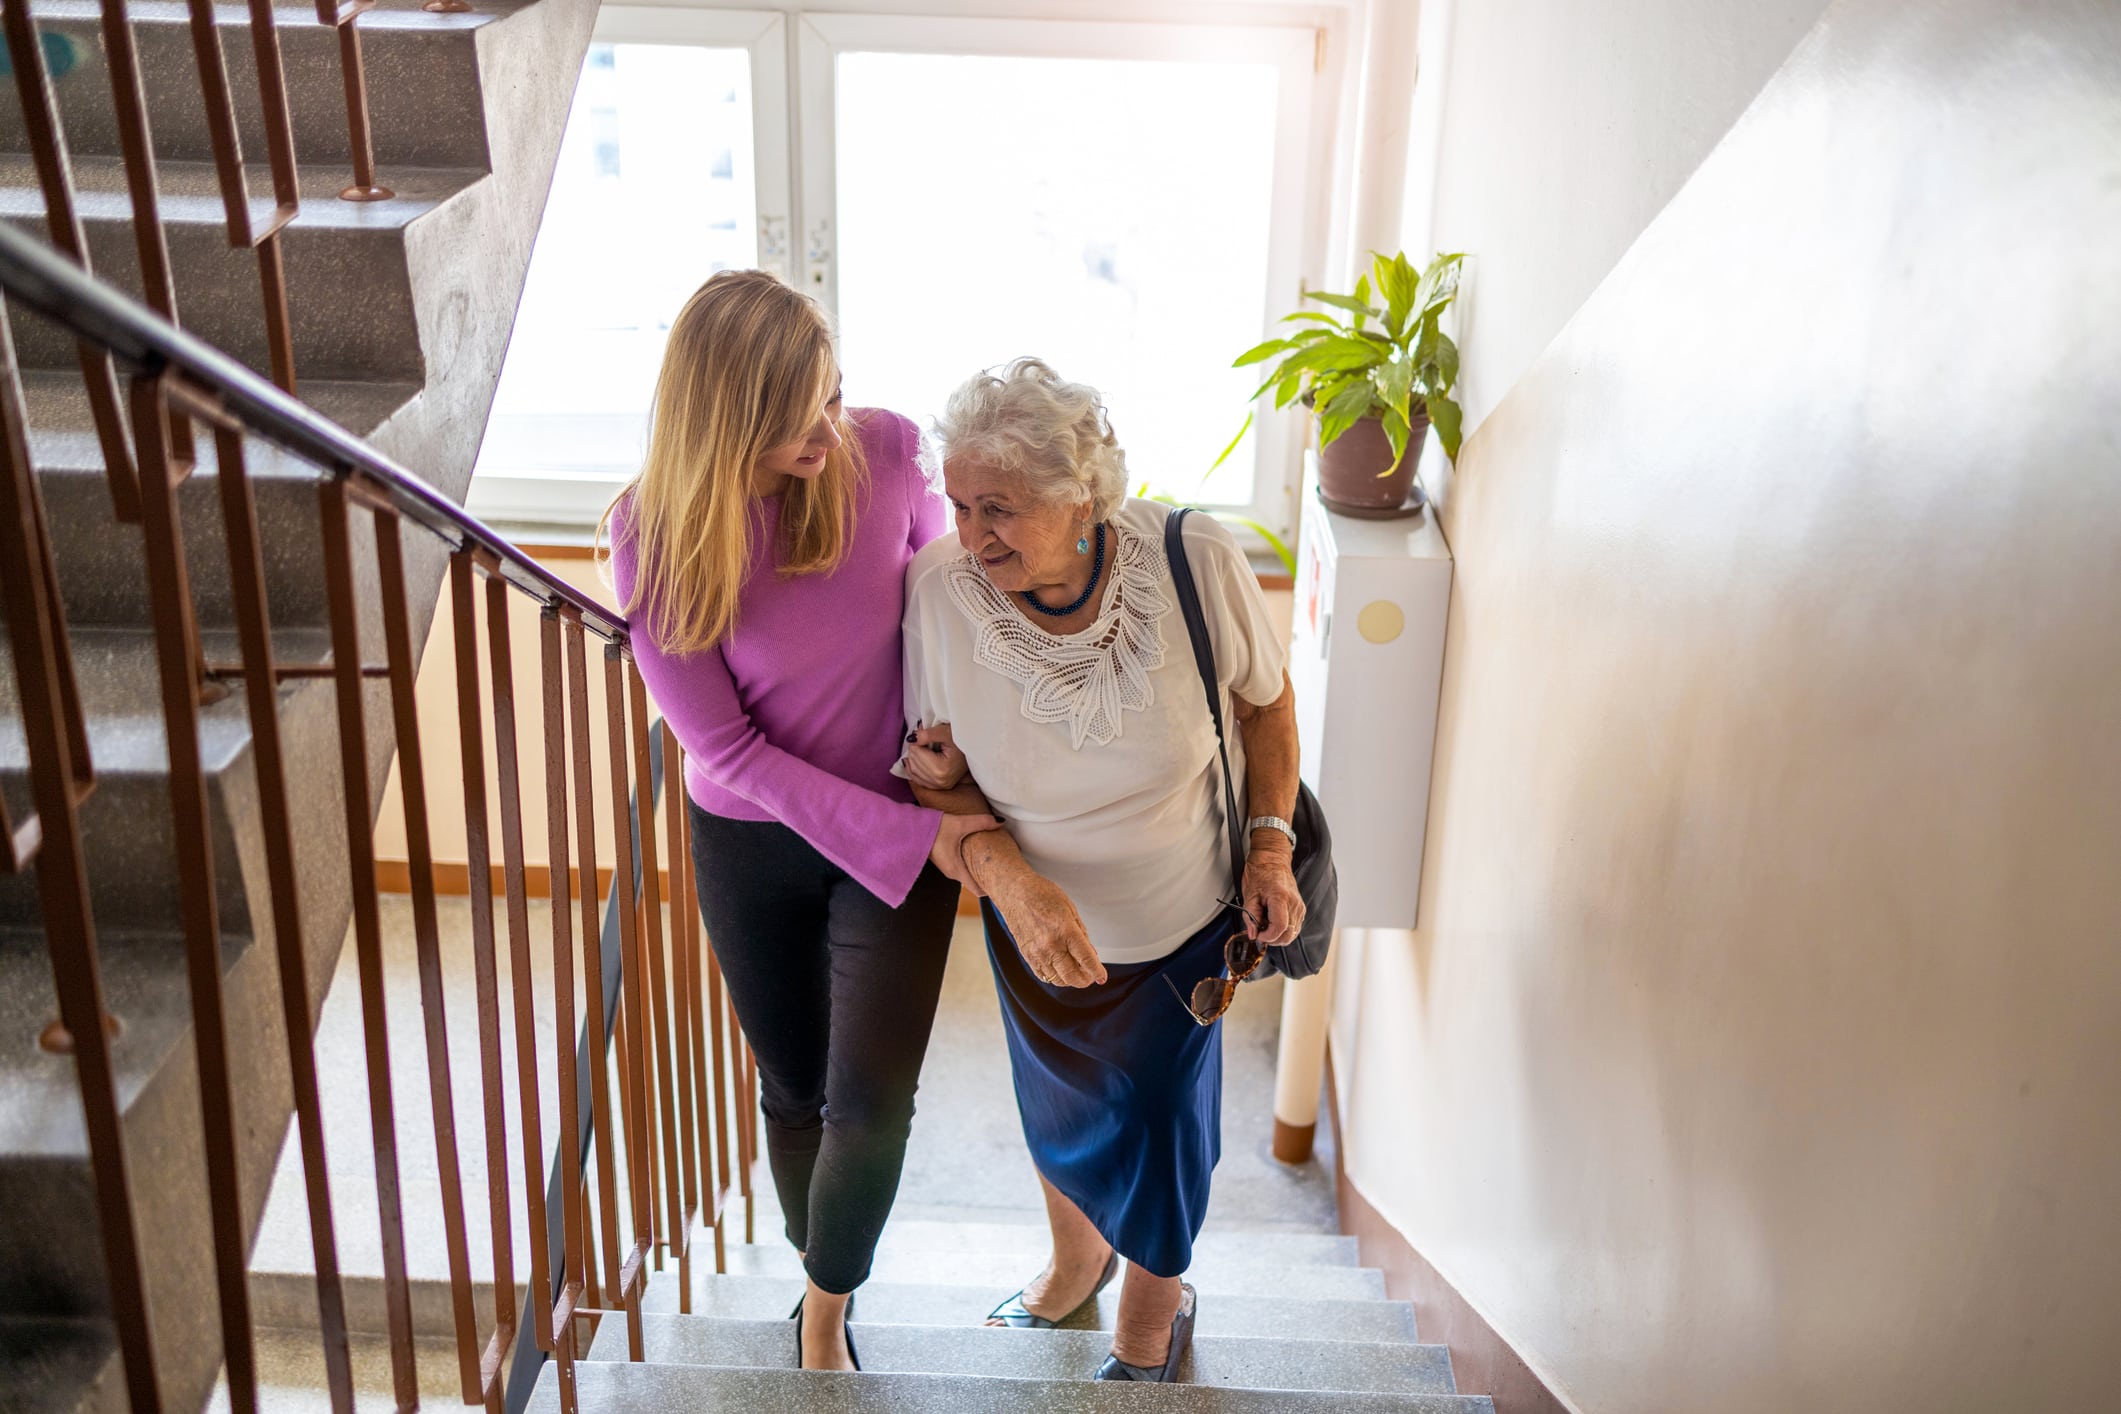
<point>41,279</point>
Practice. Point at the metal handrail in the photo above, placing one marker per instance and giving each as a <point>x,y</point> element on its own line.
<point>40,278</point>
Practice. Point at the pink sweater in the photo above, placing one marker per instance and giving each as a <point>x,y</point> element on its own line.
<point>798,715</point>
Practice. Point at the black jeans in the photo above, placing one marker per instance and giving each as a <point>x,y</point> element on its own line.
<point>837,993</point>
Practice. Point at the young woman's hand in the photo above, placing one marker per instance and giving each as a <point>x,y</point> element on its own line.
<point>935,762</point>
<point>948,851</point>
<point>1049,932</point>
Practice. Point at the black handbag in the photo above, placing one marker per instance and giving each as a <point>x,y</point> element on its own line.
<point>1316,879</point>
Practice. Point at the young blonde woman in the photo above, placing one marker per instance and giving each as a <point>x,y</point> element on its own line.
<point>760,555</point>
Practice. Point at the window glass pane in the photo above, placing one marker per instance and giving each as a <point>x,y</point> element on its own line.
<point>1108,216</point>
<point>654,192</point>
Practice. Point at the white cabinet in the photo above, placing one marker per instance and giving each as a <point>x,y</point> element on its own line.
<point>1366,659</point>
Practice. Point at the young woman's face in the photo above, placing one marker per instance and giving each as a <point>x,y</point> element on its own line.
<point>1021,542</point>
<point>805,456</point>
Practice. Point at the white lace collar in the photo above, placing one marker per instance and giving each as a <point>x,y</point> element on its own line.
<point>1087,679</point>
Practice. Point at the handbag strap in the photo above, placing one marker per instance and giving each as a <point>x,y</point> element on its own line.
<point>1204,660</point>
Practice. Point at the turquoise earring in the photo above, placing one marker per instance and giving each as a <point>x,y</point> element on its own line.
<point>1082,545</point>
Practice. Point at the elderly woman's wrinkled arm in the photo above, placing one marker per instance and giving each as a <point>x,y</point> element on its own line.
<point>1039,914</point>
<point>1273,906</point>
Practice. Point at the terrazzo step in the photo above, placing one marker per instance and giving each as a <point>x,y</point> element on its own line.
<point>349,264</point>
<point>127,833</point>
<point>678,1389</point>
<point>1293,1249</point>
<point>52,1366</point>
<point>936,1304</point>
<point>424,94</point>
<point>1226,1268</point>
<point>1257,1362</point>
<point>102,561</point>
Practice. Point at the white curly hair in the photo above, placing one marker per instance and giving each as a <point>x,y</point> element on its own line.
<point>1030,421</point>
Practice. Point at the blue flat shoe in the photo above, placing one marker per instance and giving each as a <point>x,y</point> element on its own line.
<point>1013,1312</point>
<point>1115,1368</point>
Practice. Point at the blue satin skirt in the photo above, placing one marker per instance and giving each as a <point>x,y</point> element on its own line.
<point>1121,1090</point>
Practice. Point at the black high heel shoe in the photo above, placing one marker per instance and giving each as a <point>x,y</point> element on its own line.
<point>1115,1368</point>
<point>846,1331</point>
<point>1013,1312</point>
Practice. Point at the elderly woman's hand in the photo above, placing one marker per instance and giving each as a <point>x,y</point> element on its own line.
<point>935,762</point>
<point>1049,932</point>
<point>1274,909</point>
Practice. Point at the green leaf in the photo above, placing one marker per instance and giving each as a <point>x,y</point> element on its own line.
<point>1347,302</point>
<point>1286,391</point>
<point>1274,542</point>
<point>1395,384</point>
<point>1233,445</point>
<point>1395,278</point>
<point>1315,316</point>
<point>1446,363</point>
<point>1362,297</point>
<point>1449,422</point>
<point>1396,432</point>
<point>1439,284</point>
<point>1345,410</point>
<point>1260,353</point>
<point>1342,352</point>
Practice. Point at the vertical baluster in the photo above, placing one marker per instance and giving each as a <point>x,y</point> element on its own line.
<point>246,573</point>
<point>129,97</point>
<point>718,1020</point>
<point>684,986</point>
<point>602,1118</point>
<point>177,658</point>
<point>287,196</point>
<point>347,678</point>
<point>360,141</point>
<point>419,853</point>
<point>500,657</point>
<point>479,871</point>
<point>36,630</point>
<point>47,143</point>
<point>574,1230</point>
<point>633,1061</point>
<point>669,1082</point>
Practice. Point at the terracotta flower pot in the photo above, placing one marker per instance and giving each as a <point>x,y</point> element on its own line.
<point>1357,475</point>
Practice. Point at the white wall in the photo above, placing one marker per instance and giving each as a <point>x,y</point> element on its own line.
<point>1758,1050</point>
<point>1548,134</point>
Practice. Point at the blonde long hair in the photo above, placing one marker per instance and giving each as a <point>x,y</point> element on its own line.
<point>748,367</point>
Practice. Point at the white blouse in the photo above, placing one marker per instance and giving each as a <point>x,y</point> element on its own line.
<point>1096,748</point>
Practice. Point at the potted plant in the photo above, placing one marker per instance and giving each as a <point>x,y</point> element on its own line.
<point>1377,373</point>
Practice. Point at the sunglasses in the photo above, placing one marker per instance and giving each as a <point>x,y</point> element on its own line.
<point>1242,956</point>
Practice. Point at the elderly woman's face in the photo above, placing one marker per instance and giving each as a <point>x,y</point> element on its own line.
<point>1021,541</point>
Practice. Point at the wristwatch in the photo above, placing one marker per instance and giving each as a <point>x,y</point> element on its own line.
<point>1272,822</point>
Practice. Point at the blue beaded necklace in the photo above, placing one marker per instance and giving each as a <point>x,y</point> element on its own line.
<point>1097,570</point>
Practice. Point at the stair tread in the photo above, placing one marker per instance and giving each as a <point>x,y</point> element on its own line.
<point>1251,1362</point>
<point>144,986</point>
<point>56,1365</point>
<point>1221,1267</point>
<point>121,700</point>
<point>677,1389</point>
<point>190,193</point>
<point>1295,1248</point>
<point>62,425</point>
<point>387,14</point>
<point>935,1304</point>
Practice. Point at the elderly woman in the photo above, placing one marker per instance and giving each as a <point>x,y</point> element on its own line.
<point>1045,656</point>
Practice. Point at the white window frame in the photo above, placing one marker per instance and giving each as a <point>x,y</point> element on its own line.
<point>1312,186</point>
<point>526,496</point>
<point>1292,256</point>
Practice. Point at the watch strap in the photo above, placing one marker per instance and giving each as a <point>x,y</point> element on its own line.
<point>1272,822</point>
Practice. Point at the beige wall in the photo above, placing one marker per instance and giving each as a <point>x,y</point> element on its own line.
<point>1759,1048</point>
<point>1546,136</point>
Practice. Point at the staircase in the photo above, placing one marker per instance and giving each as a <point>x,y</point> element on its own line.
<point>400,312</point>
<point>1288,1322</point>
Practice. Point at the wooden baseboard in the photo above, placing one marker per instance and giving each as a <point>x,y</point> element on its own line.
<point>394,876</point>
<point>1481,1360</point>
